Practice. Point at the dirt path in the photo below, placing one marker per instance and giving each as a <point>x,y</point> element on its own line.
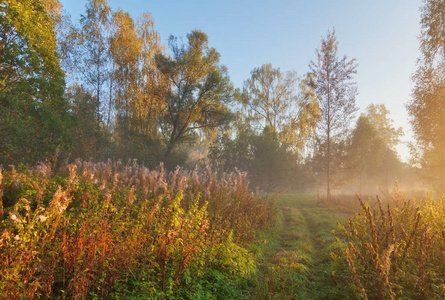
<point>297,265</point>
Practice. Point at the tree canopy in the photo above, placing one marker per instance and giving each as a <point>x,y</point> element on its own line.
<point>427,106</point>
<point>35,116</point>
<point>105,86</point>
<point>282,103</point>
<point>198,89</point>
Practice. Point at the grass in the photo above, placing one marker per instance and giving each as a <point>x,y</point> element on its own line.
<point>108,231</point>
<point>301,258</point>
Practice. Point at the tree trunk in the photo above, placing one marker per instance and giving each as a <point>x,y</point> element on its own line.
<point>328,169</point>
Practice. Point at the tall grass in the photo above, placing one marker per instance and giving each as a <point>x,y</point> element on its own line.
<point>111,229</point>
<point>397,251</point>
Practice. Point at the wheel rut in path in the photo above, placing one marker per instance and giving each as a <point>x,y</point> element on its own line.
<point>297,264</point>
<point>320,221</point>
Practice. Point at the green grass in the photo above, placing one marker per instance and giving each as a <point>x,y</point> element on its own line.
<point>301,258</point>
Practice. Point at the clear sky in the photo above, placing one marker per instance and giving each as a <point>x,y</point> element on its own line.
<point>381,34</point>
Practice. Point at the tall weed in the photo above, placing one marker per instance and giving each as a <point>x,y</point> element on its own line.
<point>397,251</point>
<point>91,230</point>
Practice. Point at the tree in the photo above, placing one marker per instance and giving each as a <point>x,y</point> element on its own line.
<point>34,119</point>
<point>112,57</point>
<point>427,106</point>
<point>138,85</point>
<point>91,139</point>
<point>125,48</point>
<point>151,100</point>
<point>86,52</point>
<point>139,91</point>
<point>371,156</point>
<point>366,151</point>
<point>331,80</point>
<point>378,116</point>
<point>272,165</point>
<point>198,89</point>
<point>273,100</point>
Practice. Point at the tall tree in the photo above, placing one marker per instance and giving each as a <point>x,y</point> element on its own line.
<point>151,100</point>
<point>125,48</point>
<point>198,91</point>
<point>34,115</point>
<point>86,51</point>
<point>427,106</point>
<point>331,80</point>
<point>281,103</point>
<point>138,88</point>
<point>371,152</point>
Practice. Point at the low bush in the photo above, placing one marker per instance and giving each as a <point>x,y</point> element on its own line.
<point>397,251</point>
<point>92,230</point>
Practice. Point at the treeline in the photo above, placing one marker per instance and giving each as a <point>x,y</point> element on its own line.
<point>108,87</point>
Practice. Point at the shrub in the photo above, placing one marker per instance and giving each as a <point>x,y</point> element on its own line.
<point>397,251</point>
<point>91,229</point>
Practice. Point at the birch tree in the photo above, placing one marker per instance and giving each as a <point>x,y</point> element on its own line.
<point>282,103</point>
<point>331,79</point>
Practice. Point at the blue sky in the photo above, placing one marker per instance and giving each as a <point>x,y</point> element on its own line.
<point>381,34</point>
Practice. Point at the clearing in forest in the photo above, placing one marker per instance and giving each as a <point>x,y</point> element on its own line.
<point>296,260</point>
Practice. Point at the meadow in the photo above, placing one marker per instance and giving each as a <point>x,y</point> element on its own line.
<point>122,231</point>
<point>113,230</point>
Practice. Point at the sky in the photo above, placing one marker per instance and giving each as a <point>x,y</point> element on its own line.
<point>381,34</point>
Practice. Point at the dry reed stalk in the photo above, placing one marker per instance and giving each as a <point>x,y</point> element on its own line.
<point>382,215</point>
<point>370,217</point>
<point>425,244</point>
<point>374,254</point>
<point>384,267</point>
<point>355,276</point>
<point>1,195</point>
<point>412,235</point>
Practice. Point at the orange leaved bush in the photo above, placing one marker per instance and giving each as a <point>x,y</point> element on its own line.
<point>77,232</point>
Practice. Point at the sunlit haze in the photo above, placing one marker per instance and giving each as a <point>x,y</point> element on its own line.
<point>210,149</point>
<point>381,34</point>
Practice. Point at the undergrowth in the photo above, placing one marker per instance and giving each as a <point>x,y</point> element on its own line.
<point>296,255</point>
<point>98,230</point>
<point>396,251</point>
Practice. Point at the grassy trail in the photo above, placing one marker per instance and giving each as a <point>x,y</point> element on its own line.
<point>297,263</point>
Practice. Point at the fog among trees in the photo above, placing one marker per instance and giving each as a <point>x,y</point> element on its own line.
<point>104,85</point>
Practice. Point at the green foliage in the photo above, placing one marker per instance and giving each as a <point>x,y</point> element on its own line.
<point>370,159</point>
<point>427,105</point>
<point>91,139</point>
<point>270,165</point>
<point>378,116</point>
<point>198,89</point>
<point>222,272</point>
<point>35,119</point>
<point>227,154</point>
